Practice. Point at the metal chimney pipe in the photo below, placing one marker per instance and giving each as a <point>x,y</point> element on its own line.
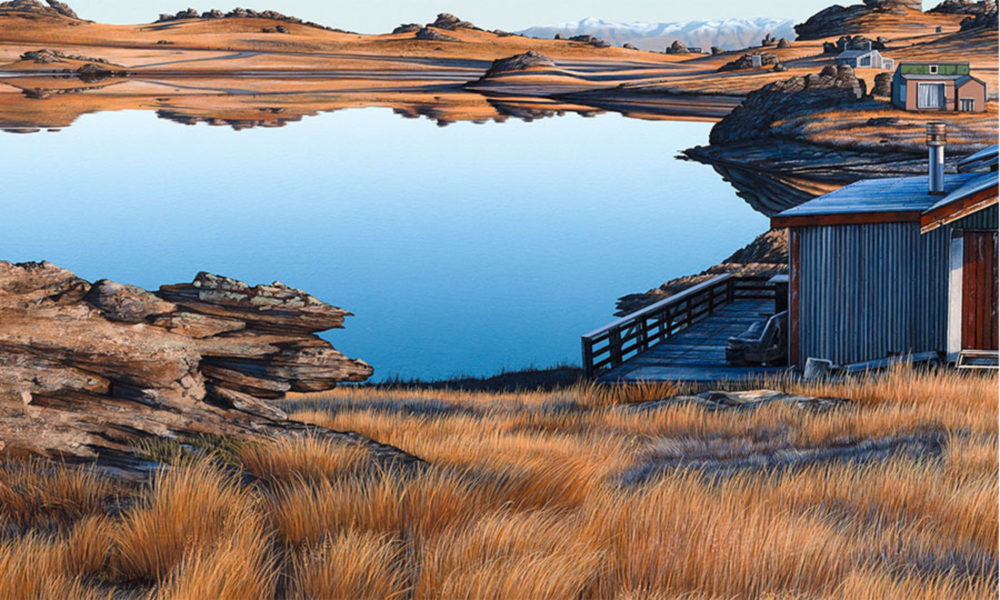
<point>937,138</point>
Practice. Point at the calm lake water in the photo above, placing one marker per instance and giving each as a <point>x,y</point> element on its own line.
<point>462,250</point>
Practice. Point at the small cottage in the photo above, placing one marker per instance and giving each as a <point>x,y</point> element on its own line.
<point>938,86</point>
<point>865,59</point>
<point>896,267</point>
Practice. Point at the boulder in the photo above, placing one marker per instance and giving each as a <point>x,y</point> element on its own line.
<point>628,46</point>
<point>50,8</point>
<point>883,85</point>
<point>589,39</point>
<point>677,47</point>
<point>450,22</point>
<point>986,20</point>
<point>407,28</point>
<point>432,35</point>
<point>768,41</point>
<point>965,7</point>
<point>87,369</point>
<point>519,62</point>
<point>779,68</point>
<point>42,57</point>
<point>747,62</point>
<point>717,50</point>
<point>783,43</point>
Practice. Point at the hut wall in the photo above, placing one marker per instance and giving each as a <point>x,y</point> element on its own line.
<point>868,291</point>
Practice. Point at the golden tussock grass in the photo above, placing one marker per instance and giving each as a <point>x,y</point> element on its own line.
<point>534,495</point>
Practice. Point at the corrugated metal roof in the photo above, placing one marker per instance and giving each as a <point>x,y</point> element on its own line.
<point>899,194</point>
<point>987,157</point>
<point>854,53</point>
<point>978,183</point>
<point>931,77</point>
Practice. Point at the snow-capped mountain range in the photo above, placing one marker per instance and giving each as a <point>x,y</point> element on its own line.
<point>728,34</point>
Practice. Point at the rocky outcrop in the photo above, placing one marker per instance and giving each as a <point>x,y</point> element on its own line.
<point>838,20</point>
<point>45,56</point>
<point>985,20</point>
<point>753,119</point>
<point>783,43</point>
<point>519,62</point>
<point>407,28</point>
<point>239,13</point>
<point>766,256</point>
<point>451,22</point>
<point>591,40</point>
<point>91,73</point>
<point>51,8</point>
<point>965,7</point>
<point>853,42</point>
<point>86,369</point>
<point>432,35</point>
<point>747,61</point>
<point>677,47</point>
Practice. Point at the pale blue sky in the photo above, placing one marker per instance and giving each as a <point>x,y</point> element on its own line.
<point>376,16</point>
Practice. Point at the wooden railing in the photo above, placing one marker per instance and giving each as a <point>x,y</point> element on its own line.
<point>616,342</point>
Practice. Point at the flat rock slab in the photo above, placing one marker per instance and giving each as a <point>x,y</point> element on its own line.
<point>743,400</point>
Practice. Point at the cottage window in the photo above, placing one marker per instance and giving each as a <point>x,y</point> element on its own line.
<point>968,105</point>
<point>933,69</point>
<point>866,61</point>
<point>930,96</point>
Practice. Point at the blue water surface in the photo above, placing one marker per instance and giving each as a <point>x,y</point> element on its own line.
<point>462,250</point>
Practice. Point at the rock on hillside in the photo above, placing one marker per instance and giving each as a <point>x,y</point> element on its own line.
<point>451,22</point>
<point>965,7</point>
<point>837,19</point>
<point>239,13</point>
<point>432,35</point>
<point>51,7</point>
<point>753,119</point>
<point>519,62</point>
<point>747,62</point>
<point>86,369</point>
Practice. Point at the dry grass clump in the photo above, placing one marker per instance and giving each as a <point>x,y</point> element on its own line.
<point>355,564</point>
<point>527,495</point>
<point>34,494</point>
<point>184,510</point>
<point>308,458</point>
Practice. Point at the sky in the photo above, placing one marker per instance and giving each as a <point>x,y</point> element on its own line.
<point>379,16</point>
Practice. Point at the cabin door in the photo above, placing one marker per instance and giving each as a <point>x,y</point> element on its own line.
<point>979,290</point>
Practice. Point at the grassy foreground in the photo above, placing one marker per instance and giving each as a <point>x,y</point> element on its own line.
<point>536,495</point>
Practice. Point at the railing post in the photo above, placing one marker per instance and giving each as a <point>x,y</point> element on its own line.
<point>615,347</point>
<point>588,357</point>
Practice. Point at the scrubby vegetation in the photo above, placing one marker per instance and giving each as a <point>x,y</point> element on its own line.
<point>524,495</point>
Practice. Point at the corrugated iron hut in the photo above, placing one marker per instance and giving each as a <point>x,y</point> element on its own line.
<point>887,267</point>
<point>937,86</point>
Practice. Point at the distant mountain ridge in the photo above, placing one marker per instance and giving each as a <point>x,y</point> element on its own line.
<point>728,34</point>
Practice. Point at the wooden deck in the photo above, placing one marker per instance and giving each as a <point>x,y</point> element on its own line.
<point>697,353</point>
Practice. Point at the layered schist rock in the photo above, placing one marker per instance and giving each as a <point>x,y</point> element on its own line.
<point>86,369</point>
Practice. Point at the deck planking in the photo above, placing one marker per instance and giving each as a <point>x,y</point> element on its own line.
<point>698,353</point>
